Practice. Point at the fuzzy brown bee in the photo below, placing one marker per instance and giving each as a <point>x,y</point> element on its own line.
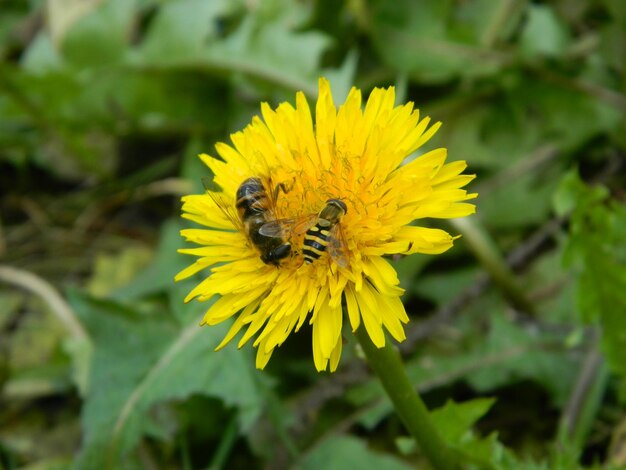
<point>256,207</point>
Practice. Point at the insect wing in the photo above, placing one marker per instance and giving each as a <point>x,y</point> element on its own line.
<point>304,223</point>
<point>283,228</point>
<point>216,193</point>
<point>337,246</point>
<point>227,209</point>
<point>275,228</point>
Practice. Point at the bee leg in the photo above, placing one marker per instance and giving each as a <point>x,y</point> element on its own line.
<point>280,187</point>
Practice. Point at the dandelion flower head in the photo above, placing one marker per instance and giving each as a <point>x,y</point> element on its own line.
<point>355,154</point>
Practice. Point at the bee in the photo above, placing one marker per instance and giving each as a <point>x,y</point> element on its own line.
<point>322,232</point>
<point>326,234</point>
<point>255,208</point>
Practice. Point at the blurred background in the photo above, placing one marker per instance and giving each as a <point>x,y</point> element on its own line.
<point>518,331</point>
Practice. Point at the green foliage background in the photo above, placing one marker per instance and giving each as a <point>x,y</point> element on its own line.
<point>104,106</point>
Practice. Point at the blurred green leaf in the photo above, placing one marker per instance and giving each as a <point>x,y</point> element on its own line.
<point>343,452</point>
<point>165,102</point>
<point>263,46</point>
<point>37,366</point>
<point>342,79</point>
<point>509,354</point>
<point>427,40</point>
<point>181,31</point>
<point>544,33</point>
<point>44,107</point>
<point>530,355</point>
<point>104,106</point>
<point>463,135</point>
<point>443,287</point>
<point>143,360</point>
<point>596,250</point>
<point>527,113</point>
<point>100,37</point>
<point>12,14</point>
<point>521,202</point>
<point>455,421</point>
<point>270,51</point>
<point>613,35</point>
<point>81,351</point>
<point>114,271</point>
<point>573,194</point>
<point>42,56</point>
<point>158,276</point>
<point>63,14</point>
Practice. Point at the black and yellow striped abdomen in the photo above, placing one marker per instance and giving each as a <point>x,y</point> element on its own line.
<point>317,238</point>
<point>315,242</point>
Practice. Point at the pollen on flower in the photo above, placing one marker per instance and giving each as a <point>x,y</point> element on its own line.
<point>305,213</point>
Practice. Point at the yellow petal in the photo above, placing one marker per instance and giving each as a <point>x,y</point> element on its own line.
<point>371,315</point>
<point>336,354</point>
<point>351,153</point>
<point>353,308</point>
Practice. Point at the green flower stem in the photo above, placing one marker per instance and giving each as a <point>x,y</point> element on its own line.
<point>388,366</point>
<point>486,251</point>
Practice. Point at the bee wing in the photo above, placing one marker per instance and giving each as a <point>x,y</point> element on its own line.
<point>283,228</point>
<point>337,246</point>
<point>228,209</point>
<point>275,228</point>
<point>304,223</point>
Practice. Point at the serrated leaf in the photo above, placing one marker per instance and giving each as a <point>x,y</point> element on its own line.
<point>271,51</point>
<point>560,115</point>
<point>510,353</point>
<point>572,193</point>
<point>596,250</point>
<point>427,40</point>
<point>181,30</point>
<point>454,420</point>
<point>531,356</point>
<point>264,45</point>
<point>342,452</point>
<point>527,115</point>
<point>141,361</point>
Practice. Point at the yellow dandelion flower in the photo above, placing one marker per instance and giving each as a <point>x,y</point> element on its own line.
<point>334,259</point>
